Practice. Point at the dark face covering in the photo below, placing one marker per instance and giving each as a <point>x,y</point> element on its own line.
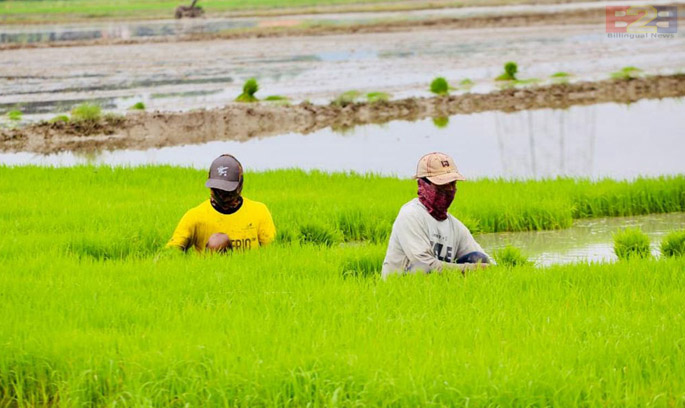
<point>227,202</point>
<point>435,199</point>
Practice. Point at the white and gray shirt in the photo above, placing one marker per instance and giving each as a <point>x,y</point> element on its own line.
<point>419,242</point>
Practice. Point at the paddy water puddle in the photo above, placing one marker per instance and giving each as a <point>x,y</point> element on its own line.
<point>589,240</point>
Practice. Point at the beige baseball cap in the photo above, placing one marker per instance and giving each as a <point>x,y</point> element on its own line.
<point>439,168</point>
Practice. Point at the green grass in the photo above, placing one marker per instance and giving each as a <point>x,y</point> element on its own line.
<point>250,88</point>
<point>510,256</point>
<point>510,71</point>
<point>138,106</point>
<point>626,73</point>
<point>631,242</point>
<point>15,115</point>
<point>674,244</point>
<point>378,97</point>
<point>441,122</point>
<point>86,112</point>
<point>93,314</point>
<point>59,118</point>
<point>439,86</point>
<point>346,98</point>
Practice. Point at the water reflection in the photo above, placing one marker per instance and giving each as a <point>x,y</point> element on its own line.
<point>547,143</point>
<point>587,241</point>
<point>609,140</point>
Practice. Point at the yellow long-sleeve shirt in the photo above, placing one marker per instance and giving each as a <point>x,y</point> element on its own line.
<point>248,228</point>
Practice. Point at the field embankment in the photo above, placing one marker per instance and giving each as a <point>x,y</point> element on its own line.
<point>92,317</point>
<point>245,121</point>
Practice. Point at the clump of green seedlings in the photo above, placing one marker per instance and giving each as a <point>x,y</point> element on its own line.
<point>373,97</point>
<point>138,106</point>
<point>560,77</point>
<point>319,234</point>
<point>510,71</point>
<point>439,86</point>
<point>674,244</point>
<point>276,98</point>
<point>86,112</point>
<point>631,243</point>
<point>14,115</point>
<point>466,84</point>
<point>441,122</point>
<point>59,119</point>
<point>510,256</point>
<point>627,73</point>
<point>346,98</point>
<point>250,88</point>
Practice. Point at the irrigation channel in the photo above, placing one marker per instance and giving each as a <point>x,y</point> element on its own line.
<point>597,141</point>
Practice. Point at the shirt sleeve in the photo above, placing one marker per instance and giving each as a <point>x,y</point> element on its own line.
<point>183,234</point>
<point>267,229</point>
<point>467,243</point>
<point>415,243</point>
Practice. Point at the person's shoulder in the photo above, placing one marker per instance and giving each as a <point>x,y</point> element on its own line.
<point>254,205</point>
<point>200,208</point>
<point>457,223</point>
<point>413,208</point>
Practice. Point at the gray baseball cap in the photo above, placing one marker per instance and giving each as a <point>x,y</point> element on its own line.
<point>225,173</point>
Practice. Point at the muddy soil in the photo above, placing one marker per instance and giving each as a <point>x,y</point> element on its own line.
<point>525,19</point>
<point>245,121</point>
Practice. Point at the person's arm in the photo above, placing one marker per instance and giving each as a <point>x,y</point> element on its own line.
<point>467,244</point>
<point>183,234</point>
<point>267,229</point>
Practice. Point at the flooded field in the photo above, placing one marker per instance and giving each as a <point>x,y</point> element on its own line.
<point>587,241</point>
<point>181,76</point>
<point>607,140</point>
<point>174,28</point>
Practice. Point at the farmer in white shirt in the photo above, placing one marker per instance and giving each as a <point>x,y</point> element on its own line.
<point>425,237</point>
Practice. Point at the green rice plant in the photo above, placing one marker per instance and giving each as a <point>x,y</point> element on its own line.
<point>627,73</point>
<point>441,122</point>
<point>346,98</point>
<point>631,243</point>
<point>319,234</point>
<point>560,77</point>
<point>373,97</point>
<point>86,112</point>
<point>14,115</point>
<point>673,244</point>
<point>362,263</point>
<point>466,84</point>
<point>59,119</point>
<point>138,106</point>
<point>510,256</point>
<point>510,71</point>
<point>439,86</point>
<point>250,88</point>
<point>276,98</point>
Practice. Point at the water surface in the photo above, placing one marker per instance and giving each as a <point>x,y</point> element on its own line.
<point>646,138</point>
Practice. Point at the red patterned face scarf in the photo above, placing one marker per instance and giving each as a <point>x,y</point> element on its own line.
<point>435,200</point>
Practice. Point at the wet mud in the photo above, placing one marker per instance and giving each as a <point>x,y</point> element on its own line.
<point>245,121</point>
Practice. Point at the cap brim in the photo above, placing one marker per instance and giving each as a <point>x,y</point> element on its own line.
<point>446,178</point>
<point>222,184</point>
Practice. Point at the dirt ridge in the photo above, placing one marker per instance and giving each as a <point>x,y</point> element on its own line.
<point>245,121</point>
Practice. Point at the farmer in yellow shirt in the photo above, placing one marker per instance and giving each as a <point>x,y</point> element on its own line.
<point>227,220</point>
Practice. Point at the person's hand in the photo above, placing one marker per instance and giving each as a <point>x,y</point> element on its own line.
<point>219,242</point>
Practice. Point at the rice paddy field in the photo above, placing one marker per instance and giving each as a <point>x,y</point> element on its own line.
<point>96,313</point>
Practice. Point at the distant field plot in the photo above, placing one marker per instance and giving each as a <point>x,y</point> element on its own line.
<point>94,313</point>
<point>12,11</point>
